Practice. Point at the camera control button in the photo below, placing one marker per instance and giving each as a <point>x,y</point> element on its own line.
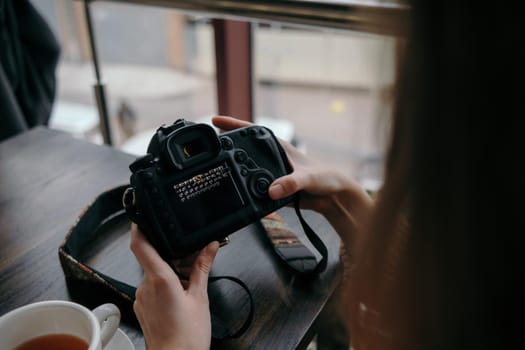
<point>262,185</point>
<point>244,172</point>
<point>252,131</point>
<point>241,156</point>
<point>226,143</point>
<point>243,132</point>
<point>251,164</point>
<point>142,162</point>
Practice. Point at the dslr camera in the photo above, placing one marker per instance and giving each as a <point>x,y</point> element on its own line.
<point>194,186</point>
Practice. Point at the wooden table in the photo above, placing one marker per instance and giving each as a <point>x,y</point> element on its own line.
<point>48,177</point>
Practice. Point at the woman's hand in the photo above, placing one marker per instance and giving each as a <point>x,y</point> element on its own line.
<point>172,316</point>
<point>340,199</point>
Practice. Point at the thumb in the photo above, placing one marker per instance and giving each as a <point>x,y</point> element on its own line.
<point>286,186</point>
<point>198,282</point>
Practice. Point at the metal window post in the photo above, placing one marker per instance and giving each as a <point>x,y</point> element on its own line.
<point>98,87</point>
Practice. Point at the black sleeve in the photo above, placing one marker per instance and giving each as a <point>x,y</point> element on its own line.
<point>29,55</point>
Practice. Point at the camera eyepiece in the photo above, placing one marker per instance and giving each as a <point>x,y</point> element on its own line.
<point>191,144</point>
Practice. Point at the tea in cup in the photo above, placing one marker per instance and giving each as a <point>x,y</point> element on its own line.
<point>58,325</point>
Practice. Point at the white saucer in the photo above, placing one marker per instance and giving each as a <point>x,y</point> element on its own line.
<point>120,341</point>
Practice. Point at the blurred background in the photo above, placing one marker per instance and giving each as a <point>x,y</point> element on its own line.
<point>326,90</point>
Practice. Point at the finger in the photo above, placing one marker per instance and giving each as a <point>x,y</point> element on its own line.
<point>229,123</point>
<point>285,186</point>
<point>146,255</point>
<point>201,269</point>
<point>315,181</point>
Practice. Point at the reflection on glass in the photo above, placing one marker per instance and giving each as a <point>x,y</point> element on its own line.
<point>333,87</point>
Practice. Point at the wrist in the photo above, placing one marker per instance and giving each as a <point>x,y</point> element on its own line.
<point>347,211</point>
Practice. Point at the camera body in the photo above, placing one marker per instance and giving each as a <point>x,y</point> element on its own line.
<point>194,186</point>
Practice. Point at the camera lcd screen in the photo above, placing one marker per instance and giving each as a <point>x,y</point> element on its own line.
<point>204,198</point>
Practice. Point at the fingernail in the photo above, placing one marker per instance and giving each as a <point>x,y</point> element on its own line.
<point>276,191</point>
<point>212,247</point>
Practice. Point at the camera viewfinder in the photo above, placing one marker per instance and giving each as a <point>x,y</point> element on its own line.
<point>192,144</point>
<point>192,148</point>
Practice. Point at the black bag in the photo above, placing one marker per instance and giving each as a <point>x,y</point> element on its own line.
<point>29,55</point>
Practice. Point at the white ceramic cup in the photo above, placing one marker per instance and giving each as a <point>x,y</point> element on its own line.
<point>96,327</point>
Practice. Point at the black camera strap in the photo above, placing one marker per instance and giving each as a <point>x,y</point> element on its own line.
<point>83,278</point>
<point>314,238</point>
<point>289,247</point>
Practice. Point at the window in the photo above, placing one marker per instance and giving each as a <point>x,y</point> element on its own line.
<point>327,91</point>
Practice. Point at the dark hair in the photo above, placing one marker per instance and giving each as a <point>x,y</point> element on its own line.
<point>432,274</point>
